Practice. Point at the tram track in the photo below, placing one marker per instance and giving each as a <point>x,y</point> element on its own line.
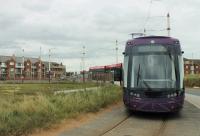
<point>115,126</point>
<point>119,123</point>
<point>162,128</point>
<point>158,132</point>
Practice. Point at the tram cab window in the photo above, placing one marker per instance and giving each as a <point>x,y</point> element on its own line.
<point>181,69</point>
<point>153,68</point>
<point>125,70</point>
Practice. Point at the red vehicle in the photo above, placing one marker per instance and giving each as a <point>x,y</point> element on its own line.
<point>108,72</point>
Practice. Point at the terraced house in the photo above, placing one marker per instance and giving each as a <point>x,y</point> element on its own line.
<point>17,68</point>
<point>191,66</point>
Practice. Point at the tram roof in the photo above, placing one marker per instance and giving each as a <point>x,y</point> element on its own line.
<point>153,39</point>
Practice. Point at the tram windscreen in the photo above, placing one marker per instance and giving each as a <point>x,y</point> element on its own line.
<point>153,68</point>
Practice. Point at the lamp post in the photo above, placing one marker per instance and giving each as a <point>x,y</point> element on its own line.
<point>40,65</point>
<point>50,64</point>
<point>83,64</point>
<point>22,66</point>
<point>168,24</point>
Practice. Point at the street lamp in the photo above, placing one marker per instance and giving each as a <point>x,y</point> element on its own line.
<point>50,64</point>
<point>22,66</point>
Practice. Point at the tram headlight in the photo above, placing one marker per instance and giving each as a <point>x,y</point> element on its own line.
<point>171,95</point>
<point>137,95</point>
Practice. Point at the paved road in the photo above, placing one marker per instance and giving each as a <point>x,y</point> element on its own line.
<point>119,122</point>
<point>187,123</point>
<point>194,91</point>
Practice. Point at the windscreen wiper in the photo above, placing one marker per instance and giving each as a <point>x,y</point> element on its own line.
<point>169,53</point>
<point>147,85</point>
<point>138,77</point>
<point>138,74</point>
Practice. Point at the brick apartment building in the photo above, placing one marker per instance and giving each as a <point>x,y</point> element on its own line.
<point>191,66</point>
<point>13,68</point>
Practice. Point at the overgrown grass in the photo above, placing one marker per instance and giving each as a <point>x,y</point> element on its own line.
<point>30,89</point>
<point>192,80</point>
<point>21,114</point>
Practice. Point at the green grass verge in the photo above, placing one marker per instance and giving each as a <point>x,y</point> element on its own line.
<point>31,89</point>
<point>192,80</point>
<point>21,114</point>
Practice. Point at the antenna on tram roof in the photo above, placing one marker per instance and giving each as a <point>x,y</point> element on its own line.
<point>134,35</point>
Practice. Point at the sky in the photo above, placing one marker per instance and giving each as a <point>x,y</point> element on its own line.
<point>65,26</point>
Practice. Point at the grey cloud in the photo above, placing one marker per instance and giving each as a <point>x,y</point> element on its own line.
<point>68,25</point>
<point>37,5</point>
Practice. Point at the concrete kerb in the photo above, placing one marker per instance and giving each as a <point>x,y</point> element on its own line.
<point>195,100</point>
<point>76,90</point>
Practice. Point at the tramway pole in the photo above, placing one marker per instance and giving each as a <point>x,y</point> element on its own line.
<point>116,49</point>
<point>50,63</point>
<point>168,24</point>
<point>144,32</point>
<point>49,66</point>
<point>22,67</point>
<point>192,63</point>
<point>83,65</point>
<point>40,64</point>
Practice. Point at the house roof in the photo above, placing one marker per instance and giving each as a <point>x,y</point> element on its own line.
<point>194,61</point>
<point>18,59</point>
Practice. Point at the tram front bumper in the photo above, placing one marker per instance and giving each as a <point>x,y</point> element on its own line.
<point>155,104</point>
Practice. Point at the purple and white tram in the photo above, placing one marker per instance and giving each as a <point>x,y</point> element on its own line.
<point>153,74</point>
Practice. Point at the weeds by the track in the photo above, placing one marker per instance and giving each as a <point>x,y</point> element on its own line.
<point>192,80</point>
<point>21,114</point>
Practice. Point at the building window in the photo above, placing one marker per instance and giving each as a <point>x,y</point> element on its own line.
<point>11,63</point>
<point>192,68</point>
<point>12,69</point>
<point>187,62</point>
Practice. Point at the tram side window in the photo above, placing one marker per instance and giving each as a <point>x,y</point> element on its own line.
<point>125,70</point>
<point>181,69</point>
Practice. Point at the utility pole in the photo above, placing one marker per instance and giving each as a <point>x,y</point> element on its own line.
<point>144,32</point>
<point>83,66</point>
<point>83,63</point>
<point>116,51</point>
<point>168,24</point>
<point>192,67</point>
<point>40,64</point>
<point>22,67</point>
<point>0,71</point>
<point>49,66</point>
